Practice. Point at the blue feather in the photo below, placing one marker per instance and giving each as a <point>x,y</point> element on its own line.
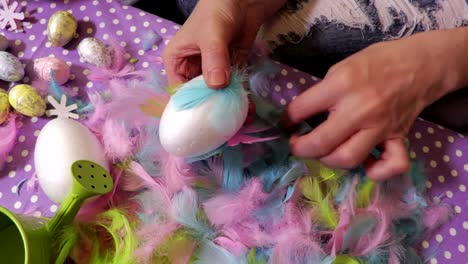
<point>261,76</point>
<point>207,155</point>
<point>233,171</point>
<point>148,149</point>
<point>282,176</point>
<point>185,211</point>
<point>156,81</point>
<point>359,226</point>
<point>55,89</point>
<point>149,39</point>
<point>267,111</point>
<point>210,253</point>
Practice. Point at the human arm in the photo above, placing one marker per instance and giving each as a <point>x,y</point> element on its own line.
<point>217,34</point>
<point>374,96</point>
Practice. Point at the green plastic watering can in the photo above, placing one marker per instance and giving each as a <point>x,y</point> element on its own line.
<point>30,240</point>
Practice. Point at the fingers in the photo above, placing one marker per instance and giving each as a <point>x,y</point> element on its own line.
<point>354,151</point>
<point>174,77</point>
<point>215,62</point>
<point>326,137</point>
<point>393,161</point>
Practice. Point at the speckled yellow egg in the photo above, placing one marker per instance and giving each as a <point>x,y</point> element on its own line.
<point>11,69</point>
<point>61,28</point>
<point>4,106</point>
<point>94,52</point>
<point>25,99</point>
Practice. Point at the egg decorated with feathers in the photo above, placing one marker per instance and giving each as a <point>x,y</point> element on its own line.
<point>60,143</point>
<point>198,120</point>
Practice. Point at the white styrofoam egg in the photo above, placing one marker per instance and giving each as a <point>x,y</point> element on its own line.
<point>60,143</point>
<point>191,132</point>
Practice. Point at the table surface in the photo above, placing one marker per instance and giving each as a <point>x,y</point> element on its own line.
<point>444,152</point>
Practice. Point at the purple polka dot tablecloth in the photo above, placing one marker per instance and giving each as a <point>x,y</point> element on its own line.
<point>444,152</point>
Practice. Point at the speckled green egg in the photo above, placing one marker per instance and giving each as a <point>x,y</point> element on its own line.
<point>11,69</point>
<point>25,100</point>
<point>61,28</point>
<point>4,106</point>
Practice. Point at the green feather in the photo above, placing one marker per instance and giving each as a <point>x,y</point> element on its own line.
<point>364,193</point>
<point>252,258</point>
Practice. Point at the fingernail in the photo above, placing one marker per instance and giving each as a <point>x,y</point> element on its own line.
<point>217,77</point>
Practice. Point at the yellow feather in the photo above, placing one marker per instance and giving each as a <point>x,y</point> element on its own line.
<point>364,194</point>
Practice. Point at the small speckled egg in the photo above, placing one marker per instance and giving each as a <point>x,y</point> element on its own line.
<point>94,52</point>
<point>61,28</point>
<point>3,43</point>
<point>4,106</point>
<point>25,99</point>
<point>43,67</point>
<point>11,69</point>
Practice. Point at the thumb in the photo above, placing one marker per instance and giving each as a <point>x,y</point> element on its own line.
<point>215,62</point>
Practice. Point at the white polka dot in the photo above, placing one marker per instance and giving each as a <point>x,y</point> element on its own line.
<point>123,44</point>
<point>24,153</point>
<point>89,84</point>
<point>449,194</point>
<point>457,209</point>
<point>20,55</point>
<point>119,32</point>
<point>453,231</point>
<point>446,158</point>
<point>53,208</point>
<point>284,72</point>
<point>109,1</point>
<point>128,17</point>
<point>112,10</point>
<point>53,5</point>
<point>163,30</point>
<point>429,184</point>
<point>66,1</point>
<point>48,44</point>
<point>132,29</point>
<point>1,195</point>
<point>72,76</point>
<point>76,89</point>
<point>450,139</point>
<point>289,85</point>
<point>85,71</point>
<point>462,188</point>
<point>127,56</point>
<point>17,42</point>
<point>141,52</point>
<point>105,36</point>
<point>439,238</point>
<point>302,81</point>
<point>24,3</point>
<point>433,163</point>
<point>82,8</point>
<point>417,135</point>
<point>32,37</point>
<point>461,248</point>
<point>115,21</point>
<point>27,168</point>
<point>9,159</point>
<point>36,133</point>
<point>37,214</point>
<point>44,32</point>
<point>465,225</point>
<point>21,138</point>
<point>425,149</point>
<point>12,174</point>
<point>154,47</point>
<point>438,144</point>
<point>14,189</point>
<point>98,13</point>
<point>65,52</point>
<point>146,24</point>
<point>176,27</point>
<point>283,102</point>
<point>34,198</point>
<point>137,40</point>
<point>425,244</point>
<point>277,88</point>
<point>102,24</point>
<point>89,30</point>
<point>158,20</point>
<point>145,64</point>
<point>294,98</point>
<point>166,42</point>
<point>433,261</point>
<point>17,205</point>
<point>447,255</point>
<point>40,10</point>
<point>458,153</point>
<point>441,178</point>
<point>454,173</point>
<point>33,49</point>
<point>430,130</point>
<point>95,2</point>
<point>412,154</point>
<point>86,19</point>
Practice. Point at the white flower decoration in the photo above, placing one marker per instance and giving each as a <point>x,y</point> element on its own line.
<point>8,15</point>
<point>61,110</point>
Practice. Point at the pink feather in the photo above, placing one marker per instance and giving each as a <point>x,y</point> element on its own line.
<point>235,247</point>
<point>436,215</point>
<point>228,209</point>
<point>117,142</point>
<point>8,139</point>
<point>176,172</point>
<point>301,249</point>
<point>242,136</point>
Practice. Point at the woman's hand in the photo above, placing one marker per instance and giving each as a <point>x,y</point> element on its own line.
<point>217,34</point>
<point>374,97</point>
